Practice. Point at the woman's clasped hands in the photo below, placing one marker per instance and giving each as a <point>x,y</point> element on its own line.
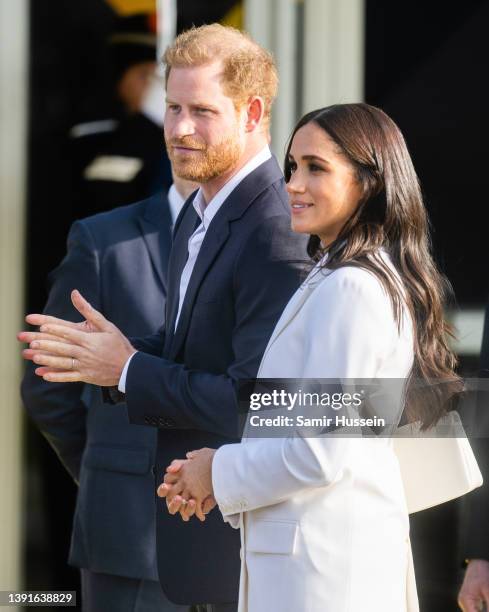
<point>187,485</point>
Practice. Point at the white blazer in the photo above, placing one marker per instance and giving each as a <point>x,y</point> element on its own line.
<point>324,523</point>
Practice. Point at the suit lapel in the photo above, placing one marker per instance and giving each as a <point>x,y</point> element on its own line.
<point>156,230</point>
<point>188,222</point>
<point>215,238</point>
<point>213,242</point>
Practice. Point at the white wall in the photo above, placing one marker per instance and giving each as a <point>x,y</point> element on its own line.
<point>13,130</point>
<point>319,63</point>
<point>333,52</point>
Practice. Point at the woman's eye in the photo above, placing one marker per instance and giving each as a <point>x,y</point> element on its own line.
<point>292,166</point>
<point>315,168</point>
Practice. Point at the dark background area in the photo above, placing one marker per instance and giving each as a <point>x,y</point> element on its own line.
<point>426,66</point>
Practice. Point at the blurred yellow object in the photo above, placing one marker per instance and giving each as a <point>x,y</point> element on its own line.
<point>235,17</point>
<point>132,7</point>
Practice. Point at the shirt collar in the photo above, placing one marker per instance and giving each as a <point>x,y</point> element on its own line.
<point>207,212</point>
<point>176,201</point>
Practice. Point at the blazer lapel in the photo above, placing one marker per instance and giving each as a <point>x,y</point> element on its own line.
<point>294,305</point>
<point>217,233</point>
<point>156,230</point>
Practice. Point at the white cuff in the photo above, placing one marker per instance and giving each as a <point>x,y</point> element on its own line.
<point>122,380</point>
<point>217,466</point>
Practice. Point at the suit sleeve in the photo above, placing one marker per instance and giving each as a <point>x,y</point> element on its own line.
<point>477,502</point>
<point>348,334</point>
<point>57,408</point>
<point>265,276</point>
<point>153,344</point>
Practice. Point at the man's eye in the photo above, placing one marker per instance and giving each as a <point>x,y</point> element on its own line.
<point>174,108</point>
<point>202,111</point>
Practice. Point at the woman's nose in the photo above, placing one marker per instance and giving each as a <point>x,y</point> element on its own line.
<point>294,184</point>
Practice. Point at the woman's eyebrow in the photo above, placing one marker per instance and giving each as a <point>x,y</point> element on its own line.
<point>315,158</point>
<point>310,158</point>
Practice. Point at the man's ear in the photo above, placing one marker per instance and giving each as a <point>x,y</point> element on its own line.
<point>255,109</point>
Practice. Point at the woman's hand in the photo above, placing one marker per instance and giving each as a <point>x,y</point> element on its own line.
<point>187,485</point>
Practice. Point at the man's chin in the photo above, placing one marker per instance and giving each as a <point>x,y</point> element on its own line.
<point>204,172</point>
<point>190,175</point>
<point>194,174</point>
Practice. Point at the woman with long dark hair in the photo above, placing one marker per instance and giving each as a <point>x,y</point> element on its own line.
<point>323,519</point>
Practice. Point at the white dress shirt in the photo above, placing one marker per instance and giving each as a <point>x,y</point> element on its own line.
<point>206,213</point>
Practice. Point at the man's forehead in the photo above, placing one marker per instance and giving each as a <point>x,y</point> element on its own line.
<point>196,84</point>
<point>210,72</point>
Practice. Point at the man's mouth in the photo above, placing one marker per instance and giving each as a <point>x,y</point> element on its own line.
<point>181,148</point>
<point>184,148</point>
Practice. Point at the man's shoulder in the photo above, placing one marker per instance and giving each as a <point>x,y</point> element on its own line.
<point>267,182</point>
<point>275,196</point>
<point>266,227</point>
<point>269,209</point>
<point>263,184</point>
<point>123,217</point>
<point>267,205</point>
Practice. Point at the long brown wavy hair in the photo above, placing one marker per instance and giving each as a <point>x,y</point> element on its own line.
<point>392,215</point>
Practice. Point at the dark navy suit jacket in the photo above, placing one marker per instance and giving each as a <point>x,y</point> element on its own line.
<point>118,261</point>
<point>184,382</point>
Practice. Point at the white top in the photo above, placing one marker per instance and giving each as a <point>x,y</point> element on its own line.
<point>206,213</point>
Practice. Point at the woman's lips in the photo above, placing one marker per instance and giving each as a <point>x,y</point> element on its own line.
<point>299,207</point>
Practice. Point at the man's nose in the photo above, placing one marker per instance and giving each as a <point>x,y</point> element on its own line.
<point>182,126</point>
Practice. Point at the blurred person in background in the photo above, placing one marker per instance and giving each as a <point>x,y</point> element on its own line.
<point>118,154</point>
<point>119,259</point>
<point>92,76</point>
